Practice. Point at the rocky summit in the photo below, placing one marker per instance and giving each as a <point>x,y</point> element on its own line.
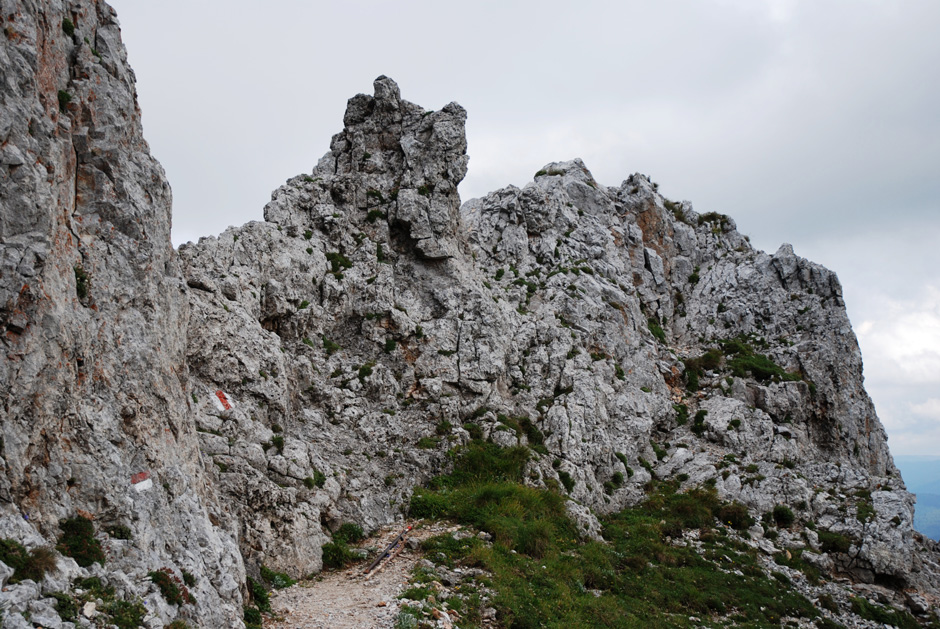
<point>192,420</point>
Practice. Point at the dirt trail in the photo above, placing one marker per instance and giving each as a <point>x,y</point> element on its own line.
<point>345,599</point>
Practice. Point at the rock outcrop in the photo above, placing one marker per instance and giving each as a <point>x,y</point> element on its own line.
<point>93,375</point>
<point>364,330</point>
<point>233,405</point>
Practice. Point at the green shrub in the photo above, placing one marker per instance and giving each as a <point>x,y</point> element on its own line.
<point>476,432</point>
<point>783,516</point>
<point>32,564</point>
<point>68,27</point>
<point>259,595</point>
<point>319,478</point>
<point>188,578</point>
<point>744,361</point>
<point>119,531</point>
<point>830,542</point>
<point>390,345</point>
<point>349,533</point>
<point>735,515</point>
<point>656,329</point>
<point>698,424</point>
<point>126,614</point>
<point>365,371</point>
<point>82,280</point>
<point>173,591</point>
<point>78,542</point>
<point>427,443</point>
<point>278,442</point>
<point>252,618</point>
<point>566,480</point>
<point>338,262</point>
<point>659,450</point>
<point>95,586</point>
<point>721,221</point>
<point>336,555</point>
<point>277,580</point>
<point>64,99</point>
<point>330,346</point>
<point>682,414</point>
<point>883,615</point>
<point>65,606</point>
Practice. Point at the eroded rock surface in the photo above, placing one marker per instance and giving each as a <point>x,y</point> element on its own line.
<point>365,328</point>
<point>233,405</point>
<point>93,374</point>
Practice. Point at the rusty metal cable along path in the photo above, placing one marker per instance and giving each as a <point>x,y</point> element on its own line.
<point>390,552</point>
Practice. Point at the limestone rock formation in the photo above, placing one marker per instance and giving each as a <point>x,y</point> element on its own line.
<point>231,405</point>
<point>93,308</point>
<point>364,330</point>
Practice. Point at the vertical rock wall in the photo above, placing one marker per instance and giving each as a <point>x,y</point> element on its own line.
<point>93,311</point>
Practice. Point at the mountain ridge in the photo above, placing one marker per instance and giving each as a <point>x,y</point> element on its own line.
<point>234,402</point>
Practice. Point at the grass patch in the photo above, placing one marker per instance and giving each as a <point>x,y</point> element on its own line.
<point>744,361</point>
<point>830,542</point>
<point>884,615</point>
<point>656,329</point>
<point>543,575</point>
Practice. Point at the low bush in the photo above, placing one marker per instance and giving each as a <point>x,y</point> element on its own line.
<point>783,516</point>
<point>33,564</point>
<point>277,580</point>
<point>259,595</point>
<point>349,533</point>
<point>172,589</point>
<point>336,555</point>
<point>78,542</point>
<point>252,618</point>
<point>126,614</point>
<point>831,542</point>
<point>656,329</point>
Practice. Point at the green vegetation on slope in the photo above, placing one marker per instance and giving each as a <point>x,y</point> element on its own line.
<point>543,575</point>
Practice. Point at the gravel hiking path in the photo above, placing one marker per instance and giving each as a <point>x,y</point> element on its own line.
<point>344,599</point>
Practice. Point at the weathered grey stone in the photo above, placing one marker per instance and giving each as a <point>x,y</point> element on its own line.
<point>93,308</point>
<point>42,613</point>
<point>291,375</point>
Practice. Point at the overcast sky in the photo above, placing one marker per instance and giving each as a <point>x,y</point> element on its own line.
<point>810,122</point>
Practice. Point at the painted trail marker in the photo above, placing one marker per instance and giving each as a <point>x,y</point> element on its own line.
<point>141,481</point>
<point>221,401</point>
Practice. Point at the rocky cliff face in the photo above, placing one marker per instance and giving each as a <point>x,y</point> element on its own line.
<point>93,375</point>
<point>294,374</point>
<point>363,330</point>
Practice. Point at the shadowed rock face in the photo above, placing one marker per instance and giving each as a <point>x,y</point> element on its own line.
<point>294,374</point>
